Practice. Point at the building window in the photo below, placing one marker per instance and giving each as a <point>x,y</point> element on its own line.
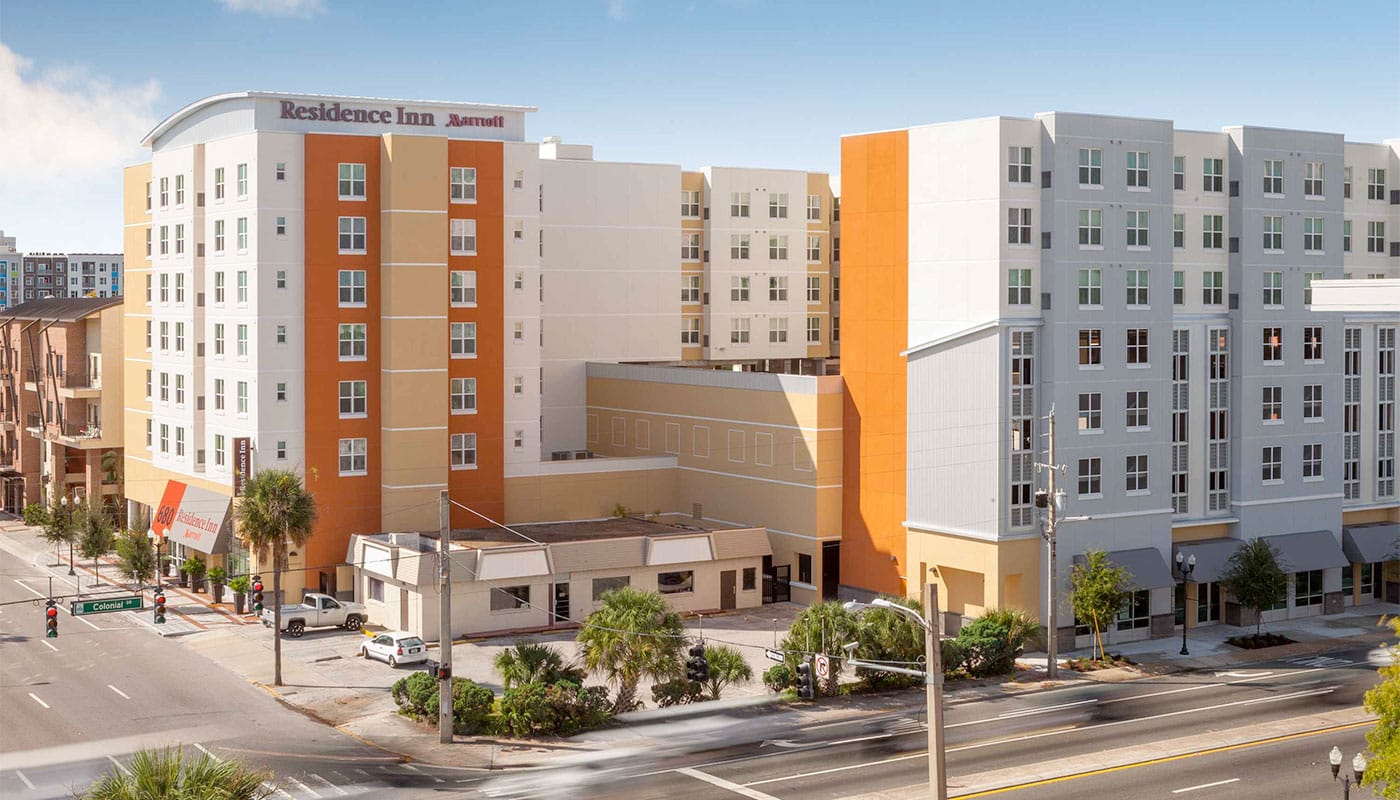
<point>777,205</point>
<point>218,183</point>
<point>165,387</point>
<point>354,456</point>
<point>1273,289</point>
<point>1273,344</point>
<point>1213,174</point>
<point>242,341</point>
<point>1213,231</point>
<point>690,288</point>
<point>1090,166</point>
<point>164,438</point>
<point>1090,286</point>
<point>750,579</point>
<point>218,236</point>
<point>281,449</point>
<point>738,204</point>
<point>218,338</point>
<point>354,398</point>
<point>1375,237</point>
<point>1178,288</point>
<point>814,249</point>
<point>1312,462</point>
<point>352,341</point>
<point>241,398</point>
<point>1218,420</point>
<point>179,337</point>
<point>602,586</point>
<point>241,286</point>
<point>690,204</point>
<point>462,287</point>
<point>1018,287</point>
<point>1090,347</point>
<point>1312,402</point>
<point>1135,474</point>
<point>1308,278</point>
<point>1375,184</point>
<point>1271,460</point>
<point>690,247</point>
<point>739,330</point>
<point>1312,343</point>
<point>241,226</point>
<point>1135,613</point>
<point>778,289</point>
<point>519,331</point>
<point>1307,588</point>
<point>1090,227</point>
<point>675,582</point>
<point>218,394</point>
<point>814,208</point>
<point>242,173</point>
<point>1273,234</point>
<point>518,386</point>
<point>1090,477</point>
<point>777,248</point>
<point>281,226</point>
<point>814,330</point>
<point>463,339</point>
<point>1179,172</point>
<point>218,288</point>
<point>690,331</point>
<point>814,288</point>
<point>352,181</point>
<point>218,450</point>
<point>164,192</point>
<point>352,234</point>
<point>164,336</point>
<point>1213,288</point>
<point>1137,352</point>
<point>463,237</point>
<point>1271,403</point>
<point>1312,179</point>
<point>1137,287</point>
<point>1273,176</point>
<point>281,334</point>
<point>1385,412</point>
<point>463,395</point>
<point>352,287</point>
<point>463,451</point>
<point>738,288</point>
<point>165,240</point>
<point>1137,229</point>
<point>509,598</point>
<point>1178,231</point>
<point>281,392</point>
<point>1090,412</point>
<point>777,330</point>
<point>463,183</point>
<point>1018,164</point>
<point>1018,226</point>
<point>739,247</point>
<point>1346,237</point>
<point>1135,410</point>
<point>1137,169</point>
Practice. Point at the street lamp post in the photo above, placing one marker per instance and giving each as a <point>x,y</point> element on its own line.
<point>1358,766</point>
<point>63,501</point>
<point>1185,566</point>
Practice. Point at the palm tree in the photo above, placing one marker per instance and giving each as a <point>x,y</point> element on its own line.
<point>168,775</point>
<point>95,536</point>
<point>727,666</point>
<point>633,635</point>
<point>276,510</point>
<point>533,662</point>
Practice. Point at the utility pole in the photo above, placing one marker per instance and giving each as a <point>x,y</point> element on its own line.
<point>445,619</point>
<point>933,678</point>
<point>1052,666</point>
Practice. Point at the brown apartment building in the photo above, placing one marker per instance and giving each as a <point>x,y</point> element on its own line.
<point>60,400</point>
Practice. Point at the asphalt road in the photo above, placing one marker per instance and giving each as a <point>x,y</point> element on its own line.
<point>75,706</point>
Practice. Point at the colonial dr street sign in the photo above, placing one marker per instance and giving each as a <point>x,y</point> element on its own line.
<point>81,607</point>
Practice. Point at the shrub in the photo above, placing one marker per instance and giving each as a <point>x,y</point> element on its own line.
<point>1021,626</point>
<point>417,698</point>
<point>987,648</point>
<point>676,692</point>
<point>561,709</point>
<point>779,677</point>
<point>889,636</point>
<point>240,584</point>
<point>36,514</point>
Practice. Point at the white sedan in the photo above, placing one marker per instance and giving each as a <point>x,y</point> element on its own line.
<point>396,647</point>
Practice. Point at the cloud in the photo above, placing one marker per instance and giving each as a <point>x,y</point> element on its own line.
<point>67,133</point>
<point>617,9</point>
<point>277,8</point>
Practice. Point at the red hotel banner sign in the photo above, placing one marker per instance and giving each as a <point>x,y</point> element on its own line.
<point>192,517</point>
<point>242,463</point>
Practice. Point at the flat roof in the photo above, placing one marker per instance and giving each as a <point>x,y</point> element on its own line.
<point>591,529</point>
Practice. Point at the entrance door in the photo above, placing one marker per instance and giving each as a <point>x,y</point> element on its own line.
<point>726,590</point>
<point>1208,602</point>
<point>831,569</point>
<point>560,612</point>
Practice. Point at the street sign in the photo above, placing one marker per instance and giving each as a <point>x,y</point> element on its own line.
<point>81,607</point>
<point>773,655</point>
<point>823,667</point>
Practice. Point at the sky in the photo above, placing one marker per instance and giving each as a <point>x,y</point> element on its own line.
<point>689,82</point>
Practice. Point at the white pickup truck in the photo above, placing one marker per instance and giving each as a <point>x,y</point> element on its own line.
<point>318,611</point>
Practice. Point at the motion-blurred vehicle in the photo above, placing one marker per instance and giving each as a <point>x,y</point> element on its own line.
<point>589,774</point>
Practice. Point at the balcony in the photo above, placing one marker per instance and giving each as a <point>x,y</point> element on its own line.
<point>74,384</point>
<point>81,435</point>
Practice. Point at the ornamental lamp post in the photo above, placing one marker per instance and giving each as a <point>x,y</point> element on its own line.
<point>1185,566</point>
<point>1358,766</point>
<point>63,501</point>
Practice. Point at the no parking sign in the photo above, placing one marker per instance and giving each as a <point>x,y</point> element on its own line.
<point>823,667</point>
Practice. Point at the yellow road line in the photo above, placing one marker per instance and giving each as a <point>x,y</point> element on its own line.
<point>1166,759</point>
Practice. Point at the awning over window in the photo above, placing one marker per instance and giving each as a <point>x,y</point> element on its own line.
<point>1212,556</point>
<point>1145,565</point>
<point>1301,552</point>
<point>1366,544</point>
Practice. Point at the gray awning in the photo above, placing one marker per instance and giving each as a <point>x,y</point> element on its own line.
<point>1301,552</point>
<point>1145,565</point>
<point>1366,544</point>
<point>1212,556</point>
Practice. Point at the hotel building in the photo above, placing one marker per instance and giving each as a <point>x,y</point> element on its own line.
<point>1152,287</point>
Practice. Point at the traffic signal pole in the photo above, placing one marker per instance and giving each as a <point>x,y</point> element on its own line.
<point>933,678</point>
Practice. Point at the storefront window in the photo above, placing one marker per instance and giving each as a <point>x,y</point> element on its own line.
<point>675,582</point>
<point>1134,613</point>
<point>1307,588</point>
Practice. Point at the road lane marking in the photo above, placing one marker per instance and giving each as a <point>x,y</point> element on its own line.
<point>37,700</point>
<point>82,619</point>
<point>308,789</point>
<point>36,592</point>
<point>45,642</point>
<point>277,789</point>
<point>742,791</point>
<point>896,759</point>
<point>119,765</point>
<point>197,745</point>
<point>24,780</point>
<point>1204,786</point>
<point>128,697</point>
<point>1026,712</point>
<point>342,792</point>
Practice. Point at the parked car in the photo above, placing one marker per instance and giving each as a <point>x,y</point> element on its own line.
<point>396,647</point>
<point>318,611</point>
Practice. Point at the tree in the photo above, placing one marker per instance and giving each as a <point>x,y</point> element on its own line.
<point>727,667</point>
<point>1098,588</point>
<point>533,662</point>
<point>275,511</point>
<point>821,628</point>
<point>1383,740</point>
<point>95,536</point>
<point>169,775</point>
<point>136,558</point>
<point>1254,577</point>
<point>59,528</point>
<point>635,634</point>
<point>889,636</point>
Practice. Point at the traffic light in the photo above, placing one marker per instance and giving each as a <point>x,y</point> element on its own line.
<point>257,594</point>
<point>806,688</point>
<point>50,619</point>
<point>697,668</point>
<point>160,608</point>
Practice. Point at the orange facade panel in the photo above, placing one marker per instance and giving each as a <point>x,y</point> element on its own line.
<point>874,325</point>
